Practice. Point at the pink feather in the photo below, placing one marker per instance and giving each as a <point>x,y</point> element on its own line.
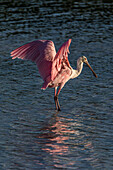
<point>43,53</point>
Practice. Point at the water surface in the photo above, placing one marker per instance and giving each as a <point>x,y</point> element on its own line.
<point>32,134</point>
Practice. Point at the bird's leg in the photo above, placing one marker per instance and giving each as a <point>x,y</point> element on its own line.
<point>56,99</point>
<point>58,104</point>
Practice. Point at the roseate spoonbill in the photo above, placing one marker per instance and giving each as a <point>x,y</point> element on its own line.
<point>53,67</point>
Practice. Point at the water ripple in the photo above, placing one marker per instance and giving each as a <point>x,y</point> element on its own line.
<point>33,134</point>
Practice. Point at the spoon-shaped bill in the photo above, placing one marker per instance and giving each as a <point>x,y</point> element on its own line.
<point>91,69</point>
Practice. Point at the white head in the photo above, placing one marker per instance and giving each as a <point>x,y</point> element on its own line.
<point>84,60</point>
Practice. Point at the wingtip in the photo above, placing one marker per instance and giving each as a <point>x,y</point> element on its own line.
<point>13,57</point>
<point>12,54</point>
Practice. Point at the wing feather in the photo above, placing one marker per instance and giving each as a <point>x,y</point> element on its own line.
<point>61,58</point>
<point>62,53</point>
<point>42,52</point>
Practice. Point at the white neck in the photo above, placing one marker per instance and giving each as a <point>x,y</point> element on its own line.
<point>76,73</point>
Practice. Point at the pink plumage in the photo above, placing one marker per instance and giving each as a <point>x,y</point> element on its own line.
<point>43,53</point>
<point>53,67</point>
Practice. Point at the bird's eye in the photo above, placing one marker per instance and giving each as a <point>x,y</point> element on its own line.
<point>84,59</point>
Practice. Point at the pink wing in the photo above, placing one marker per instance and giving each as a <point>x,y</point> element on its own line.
<point>42,52</point>
<point>60,58</point>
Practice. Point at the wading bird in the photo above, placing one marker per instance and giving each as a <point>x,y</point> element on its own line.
<point>53,67</point>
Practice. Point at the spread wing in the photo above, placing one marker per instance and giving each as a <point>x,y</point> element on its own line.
<point>42,52</point>
<point>61,58</point>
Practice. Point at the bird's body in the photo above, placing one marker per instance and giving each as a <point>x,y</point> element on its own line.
<point>53,67</point>
<point>65,74</point>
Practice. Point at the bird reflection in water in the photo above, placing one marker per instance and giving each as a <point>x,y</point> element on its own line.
<point>56,137</point>
<point>62,137</point>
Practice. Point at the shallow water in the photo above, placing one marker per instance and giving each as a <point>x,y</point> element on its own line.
<point>32,134</point>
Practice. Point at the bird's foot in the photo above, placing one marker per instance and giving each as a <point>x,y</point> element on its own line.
<point>57,103</point>
<point>58,109</point>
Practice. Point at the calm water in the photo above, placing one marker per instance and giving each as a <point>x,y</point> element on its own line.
<point>32,134</point>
